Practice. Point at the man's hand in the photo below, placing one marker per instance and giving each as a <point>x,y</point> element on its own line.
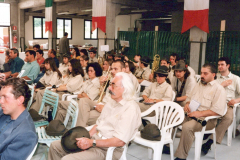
<point>186,108</point>
<point>82,95</point>
<point>149,100</point>
<point>84,143</point>
<point>150,76</point>
<point>99,107</point>
<point>232,102</point>
<point>103,79</point>
<point>226,83</point>
<point>196,114</point>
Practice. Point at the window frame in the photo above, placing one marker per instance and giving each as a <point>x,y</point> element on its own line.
<point>56,27</point>
<point>90,30</point>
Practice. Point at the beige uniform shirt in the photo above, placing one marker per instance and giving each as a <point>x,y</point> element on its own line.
<point>85,74</point>
<point>192,72</point>
<point>63,68</point>
<point>73,84</point>
<point>144,73</point>
<point>211,97</point>
<point>120,120</point>
<point>189,85</point>
<point>92,60</point>
<point>159,91</point>
<point>134,80</point>
<point>232,90</point>
<point>50,78</point>
<point>91,88</point>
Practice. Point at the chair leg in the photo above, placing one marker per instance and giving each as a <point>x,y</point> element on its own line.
<point>150,153</point>
<point>214,144</point>
<point>198,144</point>
<point>171,150</point>
<point>234,127</point>
<point>157,152</point>
<point>229,135</point>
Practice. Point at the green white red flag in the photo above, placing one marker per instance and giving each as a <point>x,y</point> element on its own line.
<point>195,14</point>
<point>99,12</point>
<point>48,15</point>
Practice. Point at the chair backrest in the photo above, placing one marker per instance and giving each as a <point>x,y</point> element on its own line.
<point>174,95</point>
<point>168,115</point>
<point>198,77</point>
<point>73,112</point>
<point>138,90</point>
<point>50,98</point>
<point>32,92</point>
<point>33,151</point>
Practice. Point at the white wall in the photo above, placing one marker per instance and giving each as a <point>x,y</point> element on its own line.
<point>77,35</point>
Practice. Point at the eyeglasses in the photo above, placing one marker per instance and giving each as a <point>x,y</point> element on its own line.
<point>113,85</point>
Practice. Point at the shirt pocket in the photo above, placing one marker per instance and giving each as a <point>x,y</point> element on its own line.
<point>207,100</point>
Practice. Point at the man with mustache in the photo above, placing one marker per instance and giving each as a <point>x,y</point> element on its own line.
<point>211,97</point>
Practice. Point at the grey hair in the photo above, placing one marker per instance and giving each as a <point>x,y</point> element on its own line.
<point>129,91</point>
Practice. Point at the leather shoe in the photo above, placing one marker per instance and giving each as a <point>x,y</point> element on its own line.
<point>206,147</point>
<point>237,132</point>
<point>166,150</point>
<point>205,136</point>
<point>179,158</point>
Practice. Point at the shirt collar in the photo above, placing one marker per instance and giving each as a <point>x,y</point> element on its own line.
<point>94,80</point>
<point>15,59</point>
<point>212,82</point>
<point>228,76</point>
<point>161,85</point>
<point>20,118</point>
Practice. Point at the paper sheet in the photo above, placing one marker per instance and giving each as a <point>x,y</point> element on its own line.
<point>194,105</point>
<point>145,83</point>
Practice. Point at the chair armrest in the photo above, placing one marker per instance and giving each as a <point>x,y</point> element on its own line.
<point>138,99</point>
<point>70,97</point>
<point>212,117</point>
<point>237,105</point>
<point>48,88</point>
<point>89,127</point>
<point>110,152</point>
<point>64,96</point>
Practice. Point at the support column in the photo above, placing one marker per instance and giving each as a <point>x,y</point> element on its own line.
<point>52,37</point>
<point>21,28</point>
<point>13,22</point>
<point>197,36</point>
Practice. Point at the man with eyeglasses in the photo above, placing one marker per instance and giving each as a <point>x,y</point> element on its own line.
<point>117,124</point>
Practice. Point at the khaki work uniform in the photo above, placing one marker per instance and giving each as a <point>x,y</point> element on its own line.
<point>50,78</point>
<point>120,120</point>
<point>231,92</point>
<point>92,60</point>
<point>90,87</point>
<point>143,73</point>
<point>189,85</point>
<point>157,91</point>
<point>63,68</point>
<point>73,84</point>
<point>211,97</point>
<point>134,80</point>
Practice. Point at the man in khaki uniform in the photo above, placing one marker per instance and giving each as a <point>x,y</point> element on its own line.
<point>92,56</point>
<point>90,90</point>
<point>63,67</point>
<point>118,123</point>
<point>212,98</point>
<point>157,91</point>
<point>88,113</point>
<point>231,83</point>
<point>144,71</point>
<point>182,83</point>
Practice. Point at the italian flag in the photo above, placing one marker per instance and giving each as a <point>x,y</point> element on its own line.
<point>99,12</point>
<point>48,15</point>
<point>196,14</point>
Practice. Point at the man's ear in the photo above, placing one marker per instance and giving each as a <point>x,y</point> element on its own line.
<point>20,100</point>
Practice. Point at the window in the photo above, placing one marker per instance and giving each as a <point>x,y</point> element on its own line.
<point>4,14</point>
<point>39,28</point>
<point>88,34</point>
<point>64,25</point>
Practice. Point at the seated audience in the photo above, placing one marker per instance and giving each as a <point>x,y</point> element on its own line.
<point>36,47</point>
<point>130,69</point>
<point>75,53</point>
<point>84,62</point>
<point>90,90</point>
<point>63,67</point>
<point>18,135</point>
<point>119,121</point>
<point>144,71</point>
<point>7,63</point>
<point>83,52</point>
<point>52,54</point>
<point>92,55</point>
<point>39,57</point>
<point>174,58</point>
<point>211,97</point>
<point>106,64</point>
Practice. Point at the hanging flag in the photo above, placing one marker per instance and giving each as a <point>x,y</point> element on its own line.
<point>99,12</point>
<point>48,15</point>
<point>196,14</point>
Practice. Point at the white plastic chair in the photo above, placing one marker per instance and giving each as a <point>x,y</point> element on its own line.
<point>232,128</point>
<point>111,149</point>
<point>33,151</point>
<point>199,137</point>
<point>71,111</point>
<point>32,92</point>
<point>138,90</point>
<point>168,115</point>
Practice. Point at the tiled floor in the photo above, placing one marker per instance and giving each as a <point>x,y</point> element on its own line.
<point>137,152</point>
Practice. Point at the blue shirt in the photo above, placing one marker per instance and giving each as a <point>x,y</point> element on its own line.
<point>16,65</point>
<point>18,137</point>
<point>56,61</point>
<point>31,70</point>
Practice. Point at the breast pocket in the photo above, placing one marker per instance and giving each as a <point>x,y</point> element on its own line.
<point>207,100</point>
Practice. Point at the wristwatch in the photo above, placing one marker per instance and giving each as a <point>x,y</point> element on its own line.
<point>94,143</point>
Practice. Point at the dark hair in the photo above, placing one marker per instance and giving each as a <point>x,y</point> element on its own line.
<point>109,61</point>
<point>177,58</point>
<point>186,75</point>
<point>7,52</point>
<point>165,59</point>
<point>36,46</point>
<point>31,52</point>
<point>53,52</point>
<point>97,68</point>
<point>226,59</point>
<point>15,51</point>
<point>212,68</point>
<point>84,51</point>
<point>132,67</point>
<point>138,55</point>
<point>121,63</point>
<point>53,66</point>
<point>76,68</point>
<point>65,34</point>
<point>40,52</point>
<point>85,58</point>
<point>77,51</point>
<point>19,88</point>
<point>144,64</point>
